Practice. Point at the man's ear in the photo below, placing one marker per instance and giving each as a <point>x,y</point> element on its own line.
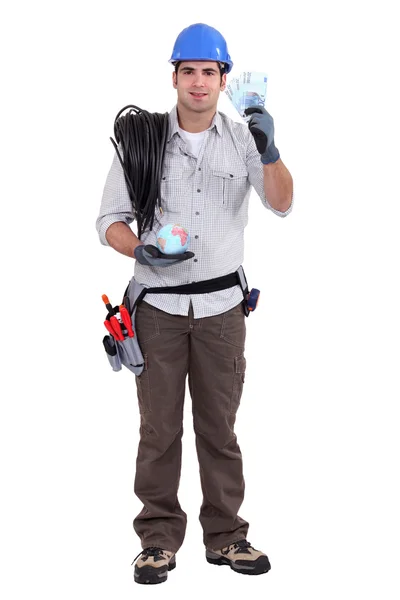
<point>174,80</point>
<point>223,82</point>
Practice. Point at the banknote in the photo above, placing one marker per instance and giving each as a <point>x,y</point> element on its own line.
<point>230,93</point>
<point>234,88</point>
<point>247,89</point>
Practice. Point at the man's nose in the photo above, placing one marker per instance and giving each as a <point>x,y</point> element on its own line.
<point>198,80</point>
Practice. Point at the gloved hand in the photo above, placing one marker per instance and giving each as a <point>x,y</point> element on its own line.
<point>150,255</point>
<point>261,126</point>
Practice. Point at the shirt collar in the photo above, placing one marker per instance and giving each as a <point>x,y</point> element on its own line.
<point>174,125</point>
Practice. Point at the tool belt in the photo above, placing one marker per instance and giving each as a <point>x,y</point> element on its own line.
<point>128,351</point>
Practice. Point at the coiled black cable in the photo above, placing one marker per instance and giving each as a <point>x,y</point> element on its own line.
<point>143,138</point>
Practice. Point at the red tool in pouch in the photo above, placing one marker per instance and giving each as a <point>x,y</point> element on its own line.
<point>117,328</point>
<point>108,305</point>
<point>110,329</point>
<point>112,324</point>
<point>126,319</point>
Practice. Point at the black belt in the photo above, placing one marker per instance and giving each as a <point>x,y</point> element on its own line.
<point>203,287</point>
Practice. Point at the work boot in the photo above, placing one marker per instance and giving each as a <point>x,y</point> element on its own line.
<point>241,557</point>
<point>153,565</point>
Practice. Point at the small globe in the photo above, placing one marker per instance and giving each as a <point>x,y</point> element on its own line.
<point>173,239</point>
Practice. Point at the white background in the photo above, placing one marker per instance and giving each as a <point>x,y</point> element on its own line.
<point>318,424</point>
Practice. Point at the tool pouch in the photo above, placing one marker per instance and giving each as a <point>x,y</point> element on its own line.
<point>127,352</point>
<point>130,351</point>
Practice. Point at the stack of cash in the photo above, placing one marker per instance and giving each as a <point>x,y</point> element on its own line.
<point>247,89</point>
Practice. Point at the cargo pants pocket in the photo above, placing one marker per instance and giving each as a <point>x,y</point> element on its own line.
<point>238,381</point>
<point>143,388</point>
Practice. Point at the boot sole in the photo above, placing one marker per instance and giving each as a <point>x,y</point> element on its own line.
<point>261,565</point>
<point>151,575</point>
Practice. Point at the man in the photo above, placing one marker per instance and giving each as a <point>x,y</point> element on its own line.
<point>210,164</point>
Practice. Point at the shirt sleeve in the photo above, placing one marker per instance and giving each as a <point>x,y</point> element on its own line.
<point>115,204</point>
<point>256,176</point>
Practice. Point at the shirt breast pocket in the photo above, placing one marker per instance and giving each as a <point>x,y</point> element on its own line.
<point>231,187</point>
<point>173,191</point>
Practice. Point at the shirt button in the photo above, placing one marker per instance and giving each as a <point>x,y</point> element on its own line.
<point>197,213</point>
<point>230,175</point>
<point>196,237</point>
<point>163,177</point>
<point>199,190</point>
<point>199,168</point>
<point>195,259</point>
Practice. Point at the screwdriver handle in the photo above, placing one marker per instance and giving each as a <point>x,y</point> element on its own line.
<point>108,304</point>
<point>110,329</point>
<point>126,320</point>
<point>117,328</point>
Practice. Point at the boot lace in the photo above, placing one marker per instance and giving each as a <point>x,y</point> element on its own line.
<point>240,546</point>
<point>151,551</point>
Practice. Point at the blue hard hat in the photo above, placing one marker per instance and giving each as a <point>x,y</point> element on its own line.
<point>201,42</point>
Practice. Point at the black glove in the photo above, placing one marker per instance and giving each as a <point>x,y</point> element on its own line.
<point>151,256</point>
<point>261,126</point>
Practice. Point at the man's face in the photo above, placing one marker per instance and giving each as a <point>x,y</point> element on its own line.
<point>198,84</point>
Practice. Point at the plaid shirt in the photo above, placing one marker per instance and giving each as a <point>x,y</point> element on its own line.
<point>209,196</point>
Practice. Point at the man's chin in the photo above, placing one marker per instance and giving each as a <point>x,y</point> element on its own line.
<point>198,107</point>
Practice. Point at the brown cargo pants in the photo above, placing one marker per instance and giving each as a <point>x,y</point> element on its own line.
<point>211,352</point>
